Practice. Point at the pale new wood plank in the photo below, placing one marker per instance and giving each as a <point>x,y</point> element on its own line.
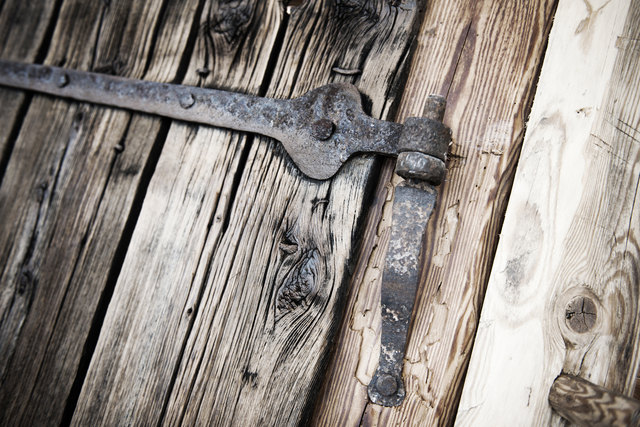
<point>563,294</point>
<point>484,57</point>
<point>65,200</point>
<point>229,296</point>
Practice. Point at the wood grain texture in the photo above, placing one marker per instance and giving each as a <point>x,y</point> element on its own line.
<point>67,195</point>
<point>571,229</point>
<point>484,57</point>
<point>233,283</point>
<point>24,35</point>
<point>181,220</point>
<point>586,404</point>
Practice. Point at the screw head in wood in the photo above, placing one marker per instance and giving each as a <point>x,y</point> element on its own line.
<point>203,71</point>
<point>581,314</point>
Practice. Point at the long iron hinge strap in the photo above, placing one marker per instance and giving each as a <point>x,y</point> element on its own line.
<point>320,130</point>
<point>414,201</point>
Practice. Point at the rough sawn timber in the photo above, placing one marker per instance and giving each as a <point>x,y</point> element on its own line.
<point>235,277</point>
<point>484,57</point>
<point>21,39</point>
<point>70,189</point>
<point>564,288</point>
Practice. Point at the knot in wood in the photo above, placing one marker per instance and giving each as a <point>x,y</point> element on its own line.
<point>230,20</point>
<point>581,314</point>
<point>300,285</point>
<point>362,9</point>
<point>25,281</point>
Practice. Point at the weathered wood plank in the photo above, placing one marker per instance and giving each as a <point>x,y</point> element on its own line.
<point>24,31</point>
<point>563,294</point>
<point>183,214</point>
<point>65,201</point>
<point>232,285</point>
<point>484,57</point>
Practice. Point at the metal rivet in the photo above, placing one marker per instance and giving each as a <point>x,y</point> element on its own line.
<point>581,314</point>
<point>187,100</point>
<point>62,80</point>
<point>322,129</point>
<point>387,385</point>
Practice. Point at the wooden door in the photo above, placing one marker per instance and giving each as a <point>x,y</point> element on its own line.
<point>159,272</point>
<point>163,272</point>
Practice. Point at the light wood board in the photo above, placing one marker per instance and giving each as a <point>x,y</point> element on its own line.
<point>571,229</point>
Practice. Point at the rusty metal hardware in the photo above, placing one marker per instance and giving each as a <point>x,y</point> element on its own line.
<point>320,131</point>
<point>413,203</point>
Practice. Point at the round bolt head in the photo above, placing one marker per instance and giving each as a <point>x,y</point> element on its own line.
<point>322,129</point>
<point>62,80</point>
<point>387,385</point>
<point>187,100</point>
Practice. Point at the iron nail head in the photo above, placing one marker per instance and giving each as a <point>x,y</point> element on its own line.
<point>322,129</point>
<point>387,385</point>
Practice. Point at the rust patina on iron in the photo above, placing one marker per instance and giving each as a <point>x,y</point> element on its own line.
<point>413,203</point>
<point>320,131</point>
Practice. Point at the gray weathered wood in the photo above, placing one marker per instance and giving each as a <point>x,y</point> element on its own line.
<point>68,193</point>
<point>234,280</point>
<point>24,28</point>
